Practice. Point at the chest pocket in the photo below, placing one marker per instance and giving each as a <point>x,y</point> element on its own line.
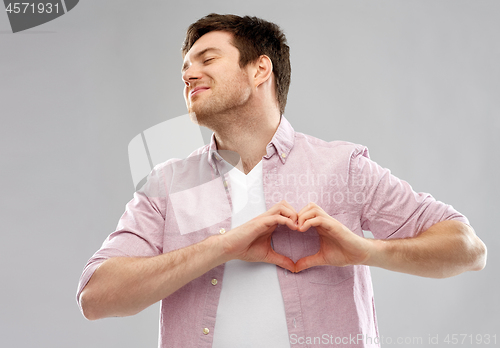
<point>329,275</point>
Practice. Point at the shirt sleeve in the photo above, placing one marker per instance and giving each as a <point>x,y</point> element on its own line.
<point>390,208</point>
<point>139,232</point>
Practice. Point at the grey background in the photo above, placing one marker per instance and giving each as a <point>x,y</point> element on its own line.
<point>415,81</point>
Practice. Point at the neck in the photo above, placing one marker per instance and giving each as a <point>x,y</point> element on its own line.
<point>248,136</point>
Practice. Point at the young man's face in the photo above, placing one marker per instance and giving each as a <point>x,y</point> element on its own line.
<point>214,81</point>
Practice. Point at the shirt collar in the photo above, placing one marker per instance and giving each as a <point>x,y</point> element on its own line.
<point>282,141</point>
<point>213,155</point>
<point>281,144</point>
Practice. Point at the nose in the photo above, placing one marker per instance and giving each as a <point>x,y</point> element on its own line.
<point>190,74</point>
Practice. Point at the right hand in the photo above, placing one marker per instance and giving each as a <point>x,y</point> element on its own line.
<point>252,241</point>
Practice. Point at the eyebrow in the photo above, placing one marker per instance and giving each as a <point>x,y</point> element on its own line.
<point>201,53</point>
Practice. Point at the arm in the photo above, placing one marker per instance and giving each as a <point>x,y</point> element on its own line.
<point>124,286</point>
<point>445,249</point>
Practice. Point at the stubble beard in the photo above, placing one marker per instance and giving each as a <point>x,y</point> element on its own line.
<point>221,107</point>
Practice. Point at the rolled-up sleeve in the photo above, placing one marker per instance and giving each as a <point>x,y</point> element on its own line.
<point>139,232</point>
<point>391,208</point>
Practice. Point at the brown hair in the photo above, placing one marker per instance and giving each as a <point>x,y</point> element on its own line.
<point>253,37</point>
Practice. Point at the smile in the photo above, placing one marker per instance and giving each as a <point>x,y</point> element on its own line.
<point>197,90</point>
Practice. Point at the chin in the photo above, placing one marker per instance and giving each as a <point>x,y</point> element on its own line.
<point>193,117</point>
<point>199,118</point>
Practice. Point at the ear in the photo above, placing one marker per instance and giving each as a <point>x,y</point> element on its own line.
<point>263,70</point>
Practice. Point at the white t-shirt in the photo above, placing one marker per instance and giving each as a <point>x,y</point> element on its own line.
<point>251,312</point>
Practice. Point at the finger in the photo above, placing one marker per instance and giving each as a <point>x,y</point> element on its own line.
<point>280,260</point>
<point>325,222</point>
<point>313,218</point>
<point>290,211</point>
<point>310,218</point>
<point>283,220</point>
<point>309,261</point>
<point>267,222</point>
<point>310,211</point>
<point>304,216</point>
<point>283,208</point>
<point>286,204</point>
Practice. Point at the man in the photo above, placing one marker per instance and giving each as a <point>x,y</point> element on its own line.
<point>205,237</point>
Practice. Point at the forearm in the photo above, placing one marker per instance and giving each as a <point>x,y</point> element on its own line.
<point>446,249</point>
<point>125,285</point>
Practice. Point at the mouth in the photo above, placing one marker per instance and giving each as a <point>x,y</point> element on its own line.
<point>197,90</point>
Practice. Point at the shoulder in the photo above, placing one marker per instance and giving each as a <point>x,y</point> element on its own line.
<point>178,174</point>
<point>345,149</point>
<point>196,156</point>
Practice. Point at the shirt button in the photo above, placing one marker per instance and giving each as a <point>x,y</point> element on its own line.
<point>222,231</point>
<point>225,183</point>
<point>206,331</point>
<point>214,281</point>
<point>283,154</point>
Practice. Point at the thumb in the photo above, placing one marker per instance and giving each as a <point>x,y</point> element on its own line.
<point>309,261</point>
<point>280,260</point>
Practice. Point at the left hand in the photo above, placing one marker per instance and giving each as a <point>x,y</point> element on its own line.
<point>339,246</point>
